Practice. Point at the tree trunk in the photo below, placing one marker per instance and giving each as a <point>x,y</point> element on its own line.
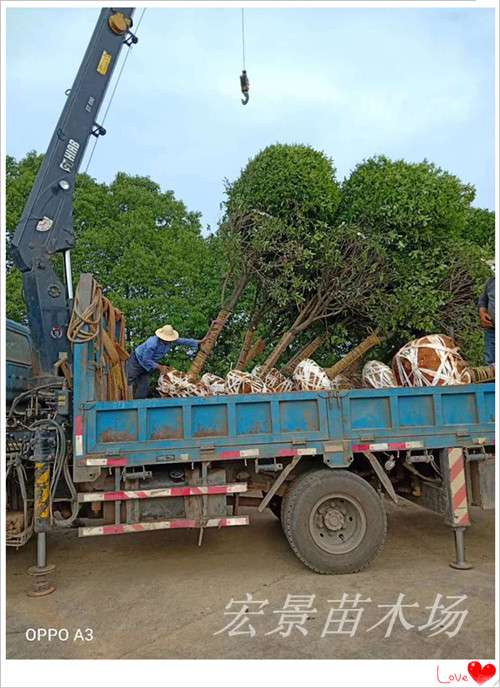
<point>287,338</point>
<point>306,352</point>
<point>256,349</point>
<point>242,361</point>
<point>277,352</point>
<point>245,349</point>
<point>353,356</point>
<point>215,329</point>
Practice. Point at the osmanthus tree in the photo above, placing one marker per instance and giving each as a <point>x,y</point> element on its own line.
<point>348,284</point>
<point>423,218</point>
<point>277,215</point>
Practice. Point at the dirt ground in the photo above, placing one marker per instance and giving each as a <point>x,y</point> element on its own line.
<point>158,595</point>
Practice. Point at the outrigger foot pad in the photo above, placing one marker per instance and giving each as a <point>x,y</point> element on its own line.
<point>41,580</point>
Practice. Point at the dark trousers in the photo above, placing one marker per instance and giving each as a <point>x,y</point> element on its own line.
<point>138,376</point>
<point>489,345</point>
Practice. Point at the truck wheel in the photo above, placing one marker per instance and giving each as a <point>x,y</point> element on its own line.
<point>334,521</point>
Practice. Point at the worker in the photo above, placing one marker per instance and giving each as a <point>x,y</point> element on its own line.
<point>487,317</point>
<point>145,360</point>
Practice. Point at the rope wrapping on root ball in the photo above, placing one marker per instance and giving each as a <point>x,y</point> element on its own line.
<point>239,382</point>
<point>175,383</point>
<point>430,361</point>
<point>482,373</point>
<point>310,377</point>
<point>275,381</point>
<point>214,383</point>
<point>378,375</point>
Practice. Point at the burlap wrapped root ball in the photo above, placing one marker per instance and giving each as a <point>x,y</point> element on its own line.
<point>310,377</point>
<point>214,383</point>
<point>430,361</point>
<point>176,383</point>
<point>239,382</point>
<point>378,375</point>
<point>275,381</point>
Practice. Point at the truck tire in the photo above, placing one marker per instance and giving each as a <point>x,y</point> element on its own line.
<point>334,521</point>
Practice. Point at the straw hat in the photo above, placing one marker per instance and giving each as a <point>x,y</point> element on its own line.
<point>167,333</point>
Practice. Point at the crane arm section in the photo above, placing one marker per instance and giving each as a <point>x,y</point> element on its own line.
<point>46,225</point>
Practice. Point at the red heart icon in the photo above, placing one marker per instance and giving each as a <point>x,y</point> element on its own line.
<point>479,673</point>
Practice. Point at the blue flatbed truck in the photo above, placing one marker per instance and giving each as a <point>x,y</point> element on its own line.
<point>81,453</point>
<point>321,461</point>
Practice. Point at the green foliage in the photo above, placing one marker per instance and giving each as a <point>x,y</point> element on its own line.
<point>480,229</point>
<point>290,182</point>
<point>19,178</point>
<point>406,204</point>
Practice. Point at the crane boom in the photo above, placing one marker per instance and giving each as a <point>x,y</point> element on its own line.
<point>46,225</point>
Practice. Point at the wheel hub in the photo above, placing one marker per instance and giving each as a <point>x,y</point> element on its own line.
<point>337,523</point>
<point>333,519</point>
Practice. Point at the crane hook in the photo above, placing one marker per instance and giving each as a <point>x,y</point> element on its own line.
<point>245,87</point>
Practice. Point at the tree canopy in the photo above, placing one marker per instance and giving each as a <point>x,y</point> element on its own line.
<point>406,204</point>
<point>291,194</point>
<point>290,182</point>
<point>422,215</point>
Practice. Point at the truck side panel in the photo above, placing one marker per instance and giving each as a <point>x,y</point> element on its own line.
<point>308,423</point>
<point>442,416</point>
<point>163,430</point>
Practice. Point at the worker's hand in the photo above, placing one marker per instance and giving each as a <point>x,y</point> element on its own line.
<point>485,318</point>
<point>163,369</point>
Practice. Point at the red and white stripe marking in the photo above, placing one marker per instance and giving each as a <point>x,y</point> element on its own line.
<point>240,454</point>
<point>78,435</point>
<point>387,446</point>
<point>458,489</point>
<point>162,492</point>
<point>122,528</point>
<point>303,451</point>
<point>111,463</point>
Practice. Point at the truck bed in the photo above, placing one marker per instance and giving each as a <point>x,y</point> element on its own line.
<point>151,431</point>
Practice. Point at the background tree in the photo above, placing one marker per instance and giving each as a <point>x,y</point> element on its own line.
<point>480,229</point>
<point>141,244</point>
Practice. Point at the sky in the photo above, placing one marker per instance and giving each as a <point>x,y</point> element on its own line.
<point>408,83</point>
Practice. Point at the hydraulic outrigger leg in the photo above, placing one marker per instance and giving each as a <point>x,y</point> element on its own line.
<point>453,471</point>
<point>41,572</point>
<point>460,562</point>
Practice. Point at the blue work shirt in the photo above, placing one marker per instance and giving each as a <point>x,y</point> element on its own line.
<point>150,352</point>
